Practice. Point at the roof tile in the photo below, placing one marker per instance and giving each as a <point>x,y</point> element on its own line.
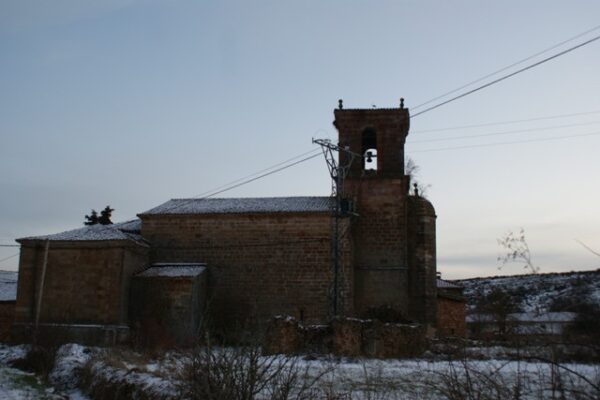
<point>242,205</point>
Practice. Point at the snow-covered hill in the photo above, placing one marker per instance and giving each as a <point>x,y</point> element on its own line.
<point>539,292</point>
<point>8,285</point>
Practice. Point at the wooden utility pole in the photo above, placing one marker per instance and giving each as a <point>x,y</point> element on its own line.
<point>41,291</point>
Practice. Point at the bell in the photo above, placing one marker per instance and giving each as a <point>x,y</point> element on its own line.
<point>369,156</point>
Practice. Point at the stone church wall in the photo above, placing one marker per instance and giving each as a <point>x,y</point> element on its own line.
<point>380,237</point>
<point>422,260</point>
<point>85,284</point>
<point>7,316</point>
<point>259,265</point>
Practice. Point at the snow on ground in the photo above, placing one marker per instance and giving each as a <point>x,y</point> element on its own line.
<point>434,379</point>
<point>362,378</point>
<point>17,384</point>
<point>347,378</point>
<point>153,385</point>
<point>70,360</point>
<point>11,353</point>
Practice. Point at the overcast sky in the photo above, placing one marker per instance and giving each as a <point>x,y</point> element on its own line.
<point>131,103</point>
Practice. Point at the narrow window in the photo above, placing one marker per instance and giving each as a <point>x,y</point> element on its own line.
<point>369,149</point>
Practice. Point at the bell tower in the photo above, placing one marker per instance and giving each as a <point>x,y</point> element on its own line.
<point>378,135</point>
<point>378,187</point>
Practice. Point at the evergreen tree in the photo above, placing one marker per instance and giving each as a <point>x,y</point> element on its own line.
<point>91,219</point>
<point>498,304</point>
<point>105,216</point>
<point>103,219</point>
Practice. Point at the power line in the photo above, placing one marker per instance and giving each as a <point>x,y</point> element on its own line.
<point>515,121</point>
<point>8,258</point>
<point>256,173</point>
<point>10,245</point>
<point>547,128</point>
<point>264,175</point>
<point>507,67</point>
<point>507,143</point>
<point>502,78</point>
<point>226,188</point>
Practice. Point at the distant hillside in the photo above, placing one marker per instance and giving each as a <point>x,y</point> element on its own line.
<point>539,292</point>
<point>8,285</point>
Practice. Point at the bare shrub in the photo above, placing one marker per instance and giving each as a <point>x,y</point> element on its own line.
<point>39,359</point>
<point>498,380</point>
<point>41,354</point>
<point>122,374</point>
<point>243,373</point>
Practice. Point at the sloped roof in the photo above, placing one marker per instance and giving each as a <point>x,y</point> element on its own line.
<point>242,205</point>
<point>128,230</point>
<point>563,316</point>
<point>8,285</point>
<point>173,270</point>
<point>442,284</point>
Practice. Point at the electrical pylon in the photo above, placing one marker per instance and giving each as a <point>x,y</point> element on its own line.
<point>339,207</point>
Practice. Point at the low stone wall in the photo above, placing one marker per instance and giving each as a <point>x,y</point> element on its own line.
<point>346,337</point>
<point>87,334</point>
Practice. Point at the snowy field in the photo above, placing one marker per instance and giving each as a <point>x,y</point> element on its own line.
<point>322,377</point>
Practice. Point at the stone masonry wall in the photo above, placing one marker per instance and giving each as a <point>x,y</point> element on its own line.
<point>349,337</point>
<point>379,234</point>
<point>422,261</point>
<point>84,283</point>
<point>391,127</point>
<point>7,316</point>
<point>259,265</point>
<point>451,317</point>
<point>379,231</point>
<point>167,311</point>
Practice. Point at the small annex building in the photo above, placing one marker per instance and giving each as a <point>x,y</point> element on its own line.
<point>451,310</point>
<point>235,259</point>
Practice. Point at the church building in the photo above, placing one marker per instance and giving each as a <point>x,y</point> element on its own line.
<point>231,260</point>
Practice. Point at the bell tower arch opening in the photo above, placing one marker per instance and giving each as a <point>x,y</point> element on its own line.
<point>369,149</point>
<point>378,135</point>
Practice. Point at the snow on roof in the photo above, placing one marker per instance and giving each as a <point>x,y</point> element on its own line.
<point>442,284</point>
<point>173,270</point>
<point>127,230</point>
<point>243,205</point>
<point>8,285</point>
<point>134,225</point>
<point>545,317</point>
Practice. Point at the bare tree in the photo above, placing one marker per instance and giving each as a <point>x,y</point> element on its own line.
<point>587,248</point>
<point>412,170</point>
<point>517,250</point>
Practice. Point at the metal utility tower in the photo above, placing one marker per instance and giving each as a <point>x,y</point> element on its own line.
<point>339,207</point>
